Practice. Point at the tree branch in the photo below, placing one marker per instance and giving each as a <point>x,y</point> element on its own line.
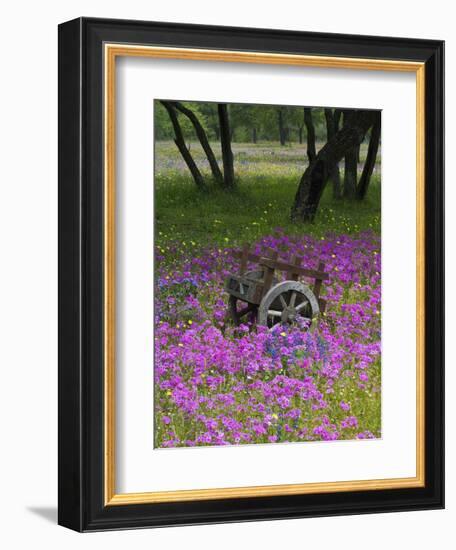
<point>180,143</point>
<point>371,158</point>
<point>201,134</point>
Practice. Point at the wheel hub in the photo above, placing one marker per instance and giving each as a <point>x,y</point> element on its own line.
<point>289,315</point>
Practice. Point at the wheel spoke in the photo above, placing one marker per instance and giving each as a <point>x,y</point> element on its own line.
<point>302,305</point>
<point>293,298</point>
<point>274,313</point>
<point>286,302</point>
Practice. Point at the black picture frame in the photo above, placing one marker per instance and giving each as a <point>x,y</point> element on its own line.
<point>81,429</point>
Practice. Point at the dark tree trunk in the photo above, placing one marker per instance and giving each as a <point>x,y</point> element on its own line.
<point>331,130</point>
<point>351,173</point>
<point>201,134</point>
<point>308,121</point>
<point>254,135</point>
<point>337,117</point>
<point>351,165</point>
<point>371,158</point>
<point>313,180</point>
<point>180,143</point>
<point>281,127</point>
<point>225,140</point>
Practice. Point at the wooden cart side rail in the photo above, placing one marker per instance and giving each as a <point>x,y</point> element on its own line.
<point>282,266</point>
<point>247,256</point>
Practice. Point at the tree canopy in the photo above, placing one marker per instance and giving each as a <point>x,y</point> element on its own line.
<point>249,123</point>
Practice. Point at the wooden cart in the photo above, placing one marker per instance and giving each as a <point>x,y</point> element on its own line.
<point>269,300</point>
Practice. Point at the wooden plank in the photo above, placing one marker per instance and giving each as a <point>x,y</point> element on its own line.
<point>269,273</point>
<point>251,257</point>
<point>292,274</point>
<point>318,280</point>
<point>244,257</point>
<point>282,266</point>
<point>251,293</point>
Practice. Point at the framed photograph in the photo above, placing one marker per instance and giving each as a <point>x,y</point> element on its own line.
<point>250,274</point>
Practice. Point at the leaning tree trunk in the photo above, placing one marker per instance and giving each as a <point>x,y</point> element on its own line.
<point>201,134</point>
<point>313,180</point>
<point>371,158</point>
<point>180,143</point>
<point>281,127</point>
<point>225,140</point>
<point>308,121</point>
<point>331,130</point>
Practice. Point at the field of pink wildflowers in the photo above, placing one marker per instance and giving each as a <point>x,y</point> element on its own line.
<point>220,385</point>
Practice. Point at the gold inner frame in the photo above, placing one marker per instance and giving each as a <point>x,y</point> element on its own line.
<point>111,52</point>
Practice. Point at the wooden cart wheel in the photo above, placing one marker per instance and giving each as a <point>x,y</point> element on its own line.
<point>239,316</point>
<point>286,302</point>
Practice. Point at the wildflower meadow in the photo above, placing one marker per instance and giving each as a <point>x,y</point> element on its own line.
<point>221,384</point>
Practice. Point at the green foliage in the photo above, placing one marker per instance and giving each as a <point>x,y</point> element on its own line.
<point>162,123</point>
<point>164,128</point>
<point>246,121</point>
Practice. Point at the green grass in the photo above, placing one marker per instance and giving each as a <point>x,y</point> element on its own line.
<point>259,204</point>
<point>267,179</point>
